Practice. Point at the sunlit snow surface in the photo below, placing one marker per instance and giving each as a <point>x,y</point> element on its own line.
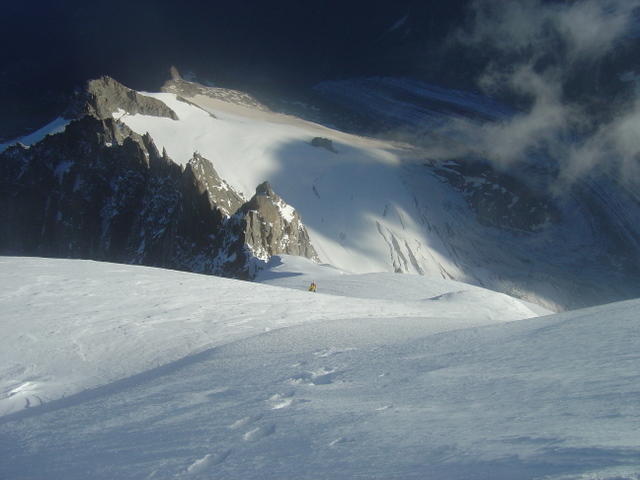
<point>56,126</point>
<point>112,371</point>
<point>374,206</point>
<point>350,221</point>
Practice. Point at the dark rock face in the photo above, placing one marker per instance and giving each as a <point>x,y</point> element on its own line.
<point>185,90</point>
<point>104,96</point>
<point>498,199</point>
<point>272,227</point>
<point>324,143</point>
<point>100,191</point>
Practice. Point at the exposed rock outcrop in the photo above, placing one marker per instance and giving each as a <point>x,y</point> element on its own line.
<point>498,199</point>
<point>200,174</point>
<point>185,89</point>
<point>105,95</point>
<point>100,191</point>
<point>272,227</point>
<point>324,143</point>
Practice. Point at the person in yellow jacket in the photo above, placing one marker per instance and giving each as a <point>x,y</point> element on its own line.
<point>312,288</point>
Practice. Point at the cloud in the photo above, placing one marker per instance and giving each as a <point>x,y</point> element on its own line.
<point>557,60</point>
<point>592,28</point>
<point>614,146</point>
<point>532,29</point>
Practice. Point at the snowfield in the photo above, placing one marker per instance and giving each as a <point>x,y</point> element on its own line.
<point>123,372</point>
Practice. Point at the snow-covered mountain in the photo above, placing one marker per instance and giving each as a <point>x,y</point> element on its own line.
<point>115,371</point>
<point>98,190</point>
<point>368,205</point>
<point>448,169</point>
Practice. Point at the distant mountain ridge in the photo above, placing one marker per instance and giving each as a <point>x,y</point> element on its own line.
<point>103,190</point>
<point>100,191</point>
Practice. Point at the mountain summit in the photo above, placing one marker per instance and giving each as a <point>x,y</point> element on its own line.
<point>100,191</point>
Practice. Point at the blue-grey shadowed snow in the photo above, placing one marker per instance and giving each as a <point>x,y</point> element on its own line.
<point>279,383</point>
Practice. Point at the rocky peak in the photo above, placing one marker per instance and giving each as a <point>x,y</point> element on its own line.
<point>265,189</point>
<point>185,89</point>
<point>100,191</point>
<point>272,227</point>
<point>201,174</point>
<point>103,96</point>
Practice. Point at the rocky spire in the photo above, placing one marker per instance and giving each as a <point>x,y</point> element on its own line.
<point>272,227</point>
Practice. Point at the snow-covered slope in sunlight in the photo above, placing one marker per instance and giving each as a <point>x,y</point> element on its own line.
<point>112,371</point>
<point>95,308</point>
<point>351,221</point>
<point>369,206</point>
<point>298,273</point>
<point>378,206</point>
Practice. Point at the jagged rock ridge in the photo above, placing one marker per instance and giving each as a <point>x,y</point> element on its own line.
<point>100,191</point>
<point>272,227</point>
<point>185,89</point>
<point>103,96</point>
<point>498,199</point>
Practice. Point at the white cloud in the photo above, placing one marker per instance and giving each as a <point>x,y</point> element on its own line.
<point>540,53</point>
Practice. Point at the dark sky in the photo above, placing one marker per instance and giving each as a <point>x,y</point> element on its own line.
<point>50,47</point>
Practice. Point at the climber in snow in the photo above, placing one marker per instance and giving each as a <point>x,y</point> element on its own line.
<point>312,287</point>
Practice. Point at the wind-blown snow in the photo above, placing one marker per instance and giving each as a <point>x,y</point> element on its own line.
<point>112,371</point>
<point>62,287</point>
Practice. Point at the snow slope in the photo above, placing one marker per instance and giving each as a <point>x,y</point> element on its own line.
<point>378,206</point>
<point>112,371</point>
<point>87,301</point>
<point>371,206</point>
<point>347,218</point>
